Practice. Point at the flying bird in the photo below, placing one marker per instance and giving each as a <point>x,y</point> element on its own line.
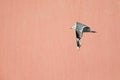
<point>79,30</point>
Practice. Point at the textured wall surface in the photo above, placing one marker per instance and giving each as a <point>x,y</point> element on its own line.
<point>37,44</point>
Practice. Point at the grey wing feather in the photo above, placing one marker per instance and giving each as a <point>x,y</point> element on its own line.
<point>78,38</point>
<point>79,33</point>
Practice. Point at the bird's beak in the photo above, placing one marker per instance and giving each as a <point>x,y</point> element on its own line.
<point>93,31</point>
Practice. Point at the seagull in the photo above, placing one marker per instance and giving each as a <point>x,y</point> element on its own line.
<point>79,30</point>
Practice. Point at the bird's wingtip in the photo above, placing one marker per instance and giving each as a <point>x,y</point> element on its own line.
<point>78,47</point>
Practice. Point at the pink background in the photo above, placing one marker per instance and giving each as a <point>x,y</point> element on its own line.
<point>37,44</point>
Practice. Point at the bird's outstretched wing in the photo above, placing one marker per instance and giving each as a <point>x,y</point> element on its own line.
<point>78,38</point>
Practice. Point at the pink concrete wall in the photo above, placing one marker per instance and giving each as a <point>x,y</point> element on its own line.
<point>37,44</point>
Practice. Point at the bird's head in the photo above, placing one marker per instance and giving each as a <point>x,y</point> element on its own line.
<point>92,31</point>
<point>88,29</point>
